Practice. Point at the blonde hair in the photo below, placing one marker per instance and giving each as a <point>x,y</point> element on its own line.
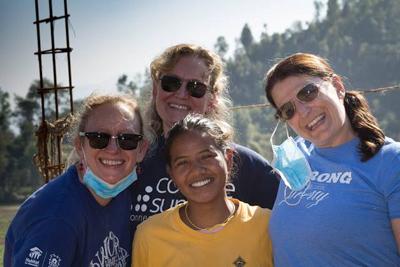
<point>218,81</point>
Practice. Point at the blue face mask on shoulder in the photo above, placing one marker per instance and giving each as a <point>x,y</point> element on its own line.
<point>290,162</point>
<point>104,189</point>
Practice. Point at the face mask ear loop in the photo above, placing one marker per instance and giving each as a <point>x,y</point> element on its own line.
<point>273,133</point>
<point>287,130</point>
<point>84,158</point>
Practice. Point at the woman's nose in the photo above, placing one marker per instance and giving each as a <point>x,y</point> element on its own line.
<point>112,144</point>
<point>182,92</point>
<point>302,108</point>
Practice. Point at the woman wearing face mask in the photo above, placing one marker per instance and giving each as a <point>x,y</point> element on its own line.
<point>348,212</point>
<point>82,218</point>
<point>190,79</point>
<point>210,229</point>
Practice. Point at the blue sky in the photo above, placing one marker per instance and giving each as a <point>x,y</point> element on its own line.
<point>110,38</point>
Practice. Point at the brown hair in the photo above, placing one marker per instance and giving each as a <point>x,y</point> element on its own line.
<point>218,80</point>
<point>95,100</point>
<point>361,119</point>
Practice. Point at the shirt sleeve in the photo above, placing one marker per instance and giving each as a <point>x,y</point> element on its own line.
<point>50,242</point>
<point>392,187</point>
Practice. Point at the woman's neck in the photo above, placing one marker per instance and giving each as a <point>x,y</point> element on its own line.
<point>102,201</point>
<point>206,216</point>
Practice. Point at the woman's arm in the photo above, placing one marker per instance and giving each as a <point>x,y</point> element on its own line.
<point>396,232</point>
<point>48,240</point>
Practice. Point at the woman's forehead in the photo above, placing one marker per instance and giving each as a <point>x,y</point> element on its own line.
<point>114,115</point>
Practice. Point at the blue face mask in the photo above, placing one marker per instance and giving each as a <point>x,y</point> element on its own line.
<point>104,189</point>
<point>290,163</point>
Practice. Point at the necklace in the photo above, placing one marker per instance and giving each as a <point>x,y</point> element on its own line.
<point>215,228</point>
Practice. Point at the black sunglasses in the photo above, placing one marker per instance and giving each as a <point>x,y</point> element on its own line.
<point>99,140</point>
<point>195,88</point>
<point>307,94</point>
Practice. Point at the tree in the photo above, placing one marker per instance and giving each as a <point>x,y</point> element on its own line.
<point>246,37</point>
<point>6,138</point>
<point>221,46</point>
<point>125,86</point>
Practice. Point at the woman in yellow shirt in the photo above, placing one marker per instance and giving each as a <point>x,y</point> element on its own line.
<point>209,229</point>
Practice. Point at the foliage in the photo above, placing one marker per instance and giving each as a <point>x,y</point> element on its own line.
<point>19,176</point>
<point>360,38</point>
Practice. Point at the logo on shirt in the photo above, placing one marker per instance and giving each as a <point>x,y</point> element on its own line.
<point>158,198</point>
<point>239,262</point>
<point>33,257</point>
<point>315,191</point>
<point>54,261</point>
<point>110,253</point>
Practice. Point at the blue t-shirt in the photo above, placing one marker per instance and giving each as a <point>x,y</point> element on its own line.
<point>154,192</point>
<point>343,216</point>
<point>61,224</point>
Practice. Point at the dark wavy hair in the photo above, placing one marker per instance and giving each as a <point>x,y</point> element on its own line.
<point>361,119</point>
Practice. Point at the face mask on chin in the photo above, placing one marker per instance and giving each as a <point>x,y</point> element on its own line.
<point>104,189</point>
<point>290,162</point>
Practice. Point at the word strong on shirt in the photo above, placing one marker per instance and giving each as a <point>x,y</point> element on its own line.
<point>332,178</point>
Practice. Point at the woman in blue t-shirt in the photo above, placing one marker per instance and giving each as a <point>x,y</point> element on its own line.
<point>83,217</point>
<point>338,202</point>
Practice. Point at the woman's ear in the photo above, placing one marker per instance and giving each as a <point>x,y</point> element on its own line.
<point>339,86</point>
<point>78,146</point>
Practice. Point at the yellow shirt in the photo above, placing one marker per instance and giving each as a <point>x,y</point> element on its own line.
<point>164,240</point>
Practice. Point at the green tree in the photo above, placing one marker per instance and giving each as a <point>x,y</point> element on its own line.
<point>246,37</point>
<point>6,138</point>
<point>221,47</point>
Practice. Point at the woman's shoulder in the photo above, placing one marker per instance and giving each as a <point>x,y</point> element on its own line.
<point>388,154</point>
<point>391,147</point>
<point>248,212</point>
<point>160,220</point>
<point>56,199</point>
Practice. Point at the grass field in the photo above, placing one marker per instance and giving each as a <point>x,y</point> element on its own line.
<point>6,215</point>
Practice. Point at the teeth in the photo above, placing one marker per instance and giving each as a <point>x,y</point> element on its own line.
<point>315,121</point>
<point>111,162</point>
<point>201,183</point>
<point>181,107</point>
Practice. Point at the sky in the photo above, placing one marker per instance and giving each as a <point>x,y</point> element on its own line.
<point>111,38</point>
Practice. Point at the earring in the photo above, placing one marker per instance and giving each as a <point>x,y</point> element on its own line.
<point>80,166</point>
<point>139,169</point>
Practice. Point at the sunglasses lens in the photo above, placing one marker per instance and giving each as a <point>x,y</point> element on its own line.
<point>170,83</point>
<point>98,140</point>
<point>308,93</point>
<point>129,141</point>
<point>196,89</point>
<point>287,111</point>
